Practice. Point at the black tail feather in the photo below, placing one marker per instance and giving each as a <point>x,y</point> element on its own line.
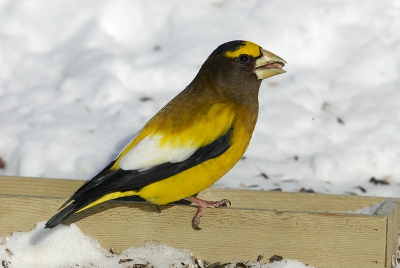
<point>66,212</point>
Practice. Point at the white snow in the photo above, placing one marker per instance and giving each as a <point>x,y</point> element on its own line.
<point>74,76</point>
<point>67,246</point>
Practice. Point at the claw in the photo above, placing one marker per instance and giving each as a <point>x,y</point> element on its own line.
<point>203,205</point>
<point>227,202</point>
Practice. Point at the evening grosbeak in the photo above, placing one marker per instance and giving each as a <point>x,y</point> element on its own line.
<point>191,142</point>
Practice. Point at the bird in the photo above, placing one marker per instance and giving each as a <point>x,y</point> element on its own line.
<point>193,141</point>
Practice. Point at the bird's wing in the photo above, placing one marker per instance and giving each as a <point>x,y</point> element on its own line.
<point>153,158</point>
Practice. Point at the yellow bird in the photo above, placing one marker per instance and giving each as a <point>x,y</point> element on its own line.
<point>191,142</point>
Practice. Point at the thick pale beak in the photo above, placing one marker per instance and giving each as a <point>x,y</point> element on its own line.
<point>268,65</point>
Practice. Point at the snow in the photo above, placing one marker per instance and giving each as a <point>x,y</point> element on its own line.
<point>43,248</point>
<point>79,78</point>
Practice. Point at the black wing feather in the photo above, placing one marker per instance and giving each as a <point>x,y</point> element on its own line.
<point>66,212</point>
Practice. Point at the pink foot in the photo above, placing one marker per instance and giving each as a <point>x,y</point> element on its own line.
<point>203,205</point>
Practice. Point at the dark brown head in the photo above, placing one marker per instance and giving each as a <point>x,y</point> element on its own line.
<point>235,69</point>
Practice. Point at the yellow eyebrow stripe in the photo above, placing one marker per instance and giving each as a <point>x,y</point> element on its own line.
<point>248,48</point>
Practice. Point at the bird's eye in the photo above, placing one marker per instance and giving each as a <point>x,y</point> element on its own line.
<point>243,59</point>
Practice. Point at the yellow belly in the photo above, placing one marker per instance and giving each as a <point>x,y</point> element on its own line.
<point>198,178</point>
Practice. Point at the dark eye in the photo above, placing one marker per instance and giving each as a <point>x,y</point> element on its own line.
<point>243,59</point>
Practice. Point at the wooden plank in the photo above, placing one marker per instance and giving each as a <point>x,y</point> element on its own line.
<point>240,198</point>
<point>319,239</point>
<point>39,187</point>
<point>295,202</point>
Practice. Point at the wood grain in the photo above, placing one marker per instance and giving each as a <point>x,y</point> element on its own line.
<point>290,201</point>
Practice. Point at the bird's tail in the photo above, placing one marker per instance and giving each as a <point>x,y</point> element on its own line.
<point>66,212</point>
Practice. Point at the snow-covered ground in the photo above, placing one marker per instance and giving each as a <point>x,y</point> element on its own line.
<point>79,78</point>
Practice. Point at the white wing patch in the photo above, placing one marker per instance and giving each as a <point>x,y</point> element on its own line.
<point>148,153</point>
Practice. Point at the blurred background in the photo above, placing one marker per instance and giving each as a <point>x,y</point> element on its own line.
<point>79,78</point>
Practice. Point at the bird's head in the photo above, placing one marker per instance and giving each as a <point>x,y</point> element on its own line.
<point>235,69</point>
<point>250,56</point>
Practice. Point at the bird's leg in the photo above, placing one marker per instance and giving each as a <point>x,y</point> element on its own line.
<point>203,205</point>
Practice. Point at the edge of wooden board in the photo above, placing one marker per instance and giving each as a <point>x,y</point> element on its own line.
<point>62,188</point>
<point>391,209</point>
